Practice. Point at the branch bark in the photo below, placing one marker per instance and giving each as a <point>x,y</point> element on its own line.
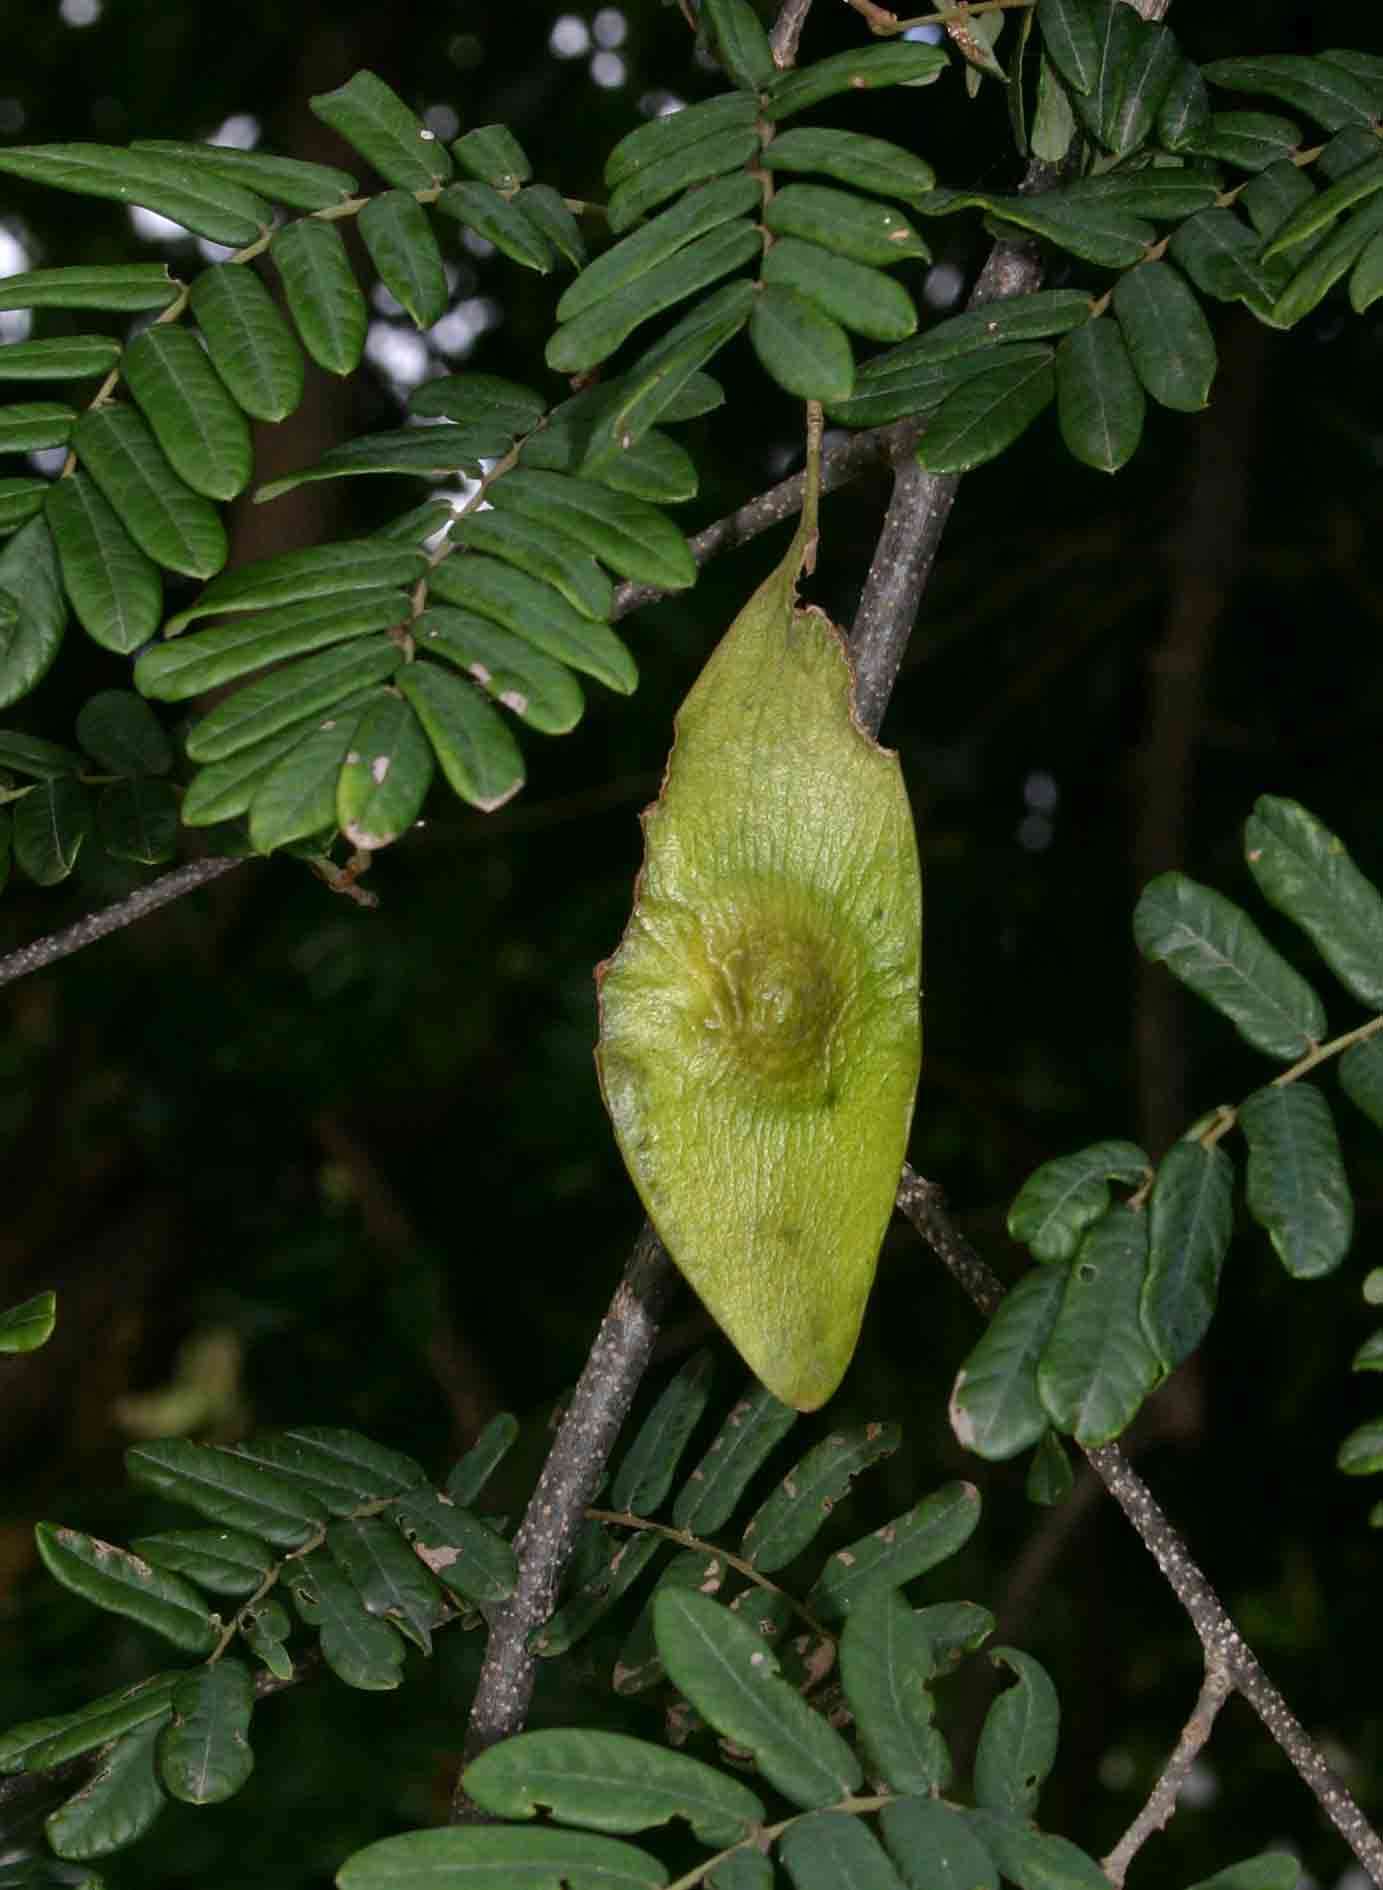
<point>159,892</point>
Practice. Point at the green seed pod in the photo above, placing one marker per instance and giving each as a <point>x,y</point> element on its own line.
<point>760,1037</point>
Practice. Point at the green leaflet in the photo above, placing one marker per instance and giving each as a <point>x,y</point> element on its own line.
<point>1185,107</point>
<point>540,691</point>
<point>723,1667</point>
<point>930,1829</point>
<point>1018,1741</point>
<point>1142,82</point>
<point>29,755</point>
<point>1325,265</point>
<point>857,296</point>
<point>296,797</point>
<point>1050,1477</point>
<point>1068,30</point>
<point>205,203</point>
<point>341,1468</point>
<point>479,400</point>
<point>900,62</point>
<point>29,583</point>
<point>995,1408</point>
<point>176,527</point>
<point>666,137</point>
<point>354,564</point>
<point>1249,140</point>
<point>871,165</point>
<point>1191,1218</point>
<point>115,589</point>
<point>986,414</point>
<point>805,351</point>
<point>494,155</point>
<point>1207,942</point>
<point>42,1742</point>
<point>496,1857</point>
<point>499,222</point>
<point>534,610</point>
<point>1064,1197</point>
<point>1035,1860</point>
<point>385,776</point>
<point>1330,93</point>
<point>1316,209</point>
<point>1221,255</point>
<point>227,787</point>
<point>749,1434</point>
<point>471,1472</point>
<point>544,553</point>
<point>1169,339</point>
<point>860,228</point>
<point>791,1515</point>
<point>636,541</point>
<point>654,387</point>
<point>1306,872</point>
<point>323,295</point>
<point>652,184</point>
<point>389,1578</point>
<point>191,666</point>
<point>897,1552</point>
<point>886,1661</point>
<point>51,825</point>
<point>605,1781</point>
<point>1361,1077</point>
<point>1361,1453</point>
<point>1295,1183</point>
<point>119,286</point>
<point>223,1486</point>
<point>741,43</point>
<point>116,1805</point>
<point>204,436</point>
<point>113,1579</point>
<point>27,1326</point>
<point>1366,278</point>
<point>225,1561</point>
<point>120,731</point>
<point>896,384</point>
<point>1097,1367</point>
<point>695,215</point>
<point>359,1649</point>
<point>310,688</point>
<point>759,1024</point>
<point>649,1465</point>
<point>478,755</point>
<point>1099,403</point>
<point>1269,1870</point>
<point>370,115</point>
<point>282,180</point>
<point>465,1554</point>
<point>424,452</point>
<point>204,1755</point>
<point>252,347</point>
<point>20,499</point>
<point>396,232</point>
<point>620,1565</point>
<point>826,1849</point>
<point>29,425</point>
<point>1163,195</point>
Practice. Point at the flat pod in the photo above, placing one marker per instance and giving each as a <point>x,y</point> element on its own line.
<point>760,1037</point>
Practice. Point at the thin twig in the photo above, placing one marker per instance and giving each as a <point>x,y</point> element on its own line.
<point>159,892</point>
<point>787,30</point>
<point>924,1205</point>
<point>1162,1800</point>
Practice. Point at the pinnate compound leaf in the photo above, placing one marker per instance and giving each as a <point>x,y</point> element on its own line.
<point>30,583</point>
<point>115,589</point>
<point>886,1662</point>
<point>204,436</point>
<point>897,1552</point>
<point>360,1649</point>
<point>995,1408</point>
<point>498,1857</point>
<point>389,1578</point>
<point>218,1484</point>
<point>539,690</point>
<point>51,825</point>
<point>1018,1741</point>
<point>123,287</point>
<point>789,1519</point>
<point>857,296</point>
<point>225,1561</point>
<point>116,1805</point>
<point>1097,1366</point>
<point>936,1847</point>
<point>27,1326</point>
<point>804,350</point>
<point>1305,871</point>
<point>1330,93</point>
<point>1064,1197</point>
<point>653,184</point>
<point>204,1753</point>
<point>398,236</point>
<point>499,222</point>
<point>371,116</point>
<point>1068,30</point>
<point>710,1496</point>
<point>860,228</point>
<point>986,414</point>
<point>323,295</point>
<point>60,358</point>
<point>207,204</point>
<point>250,343</point>
<point>294,576</point>
<point>606,1781</point>
<point>1191,1218</point>
<point>119,730</point>
<point>1295,1183</point>
<point>646,1472</point>
<point>1168,337</point>
<point>113,1579</point>
<point>626,534</point>
<point>900,62</point>
<point>176,527</point>
<point>723,1667</point>
<point>1099,402</point>
<point>1211,945</point>
<point>827,1849</point>
<point>477,753</point>
<point>38,1743</point>
<point>463,1552</point>
<point>1035,1860</point>
<point>871,165</point>
<point>385,776</point>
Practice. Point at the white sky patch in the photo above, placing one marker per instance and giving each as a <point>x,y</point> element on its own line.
<point>442,122</point>
<point>213,252</point>
<point>150,227</point>
<point>660,104</point>
<point>399,353</point>
<point>49,460</point>
<point>460,329</point>
<point>241,131</point>
<point>79,12</point>
<point>570,37</point>
<point>609,70</point>
<point>929,35</point>
<point>384,301</point>
<point>610,27</point>
<point>941,286</point>
<point>477,244</point>
<point>15,258</point>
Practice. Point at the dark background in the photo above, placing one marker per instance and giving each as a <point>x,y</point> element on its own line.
<point>363,1154</point>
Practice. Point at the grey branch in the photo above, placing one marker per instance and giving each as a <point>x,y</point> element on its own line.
<point>159,892</point>
<point>1225,1648</point>
<point>1162,1800</point>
